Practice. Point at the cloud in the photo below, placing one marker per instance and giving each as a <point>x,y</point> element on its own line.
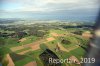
<point>50,5</point>
<point>21,8</point>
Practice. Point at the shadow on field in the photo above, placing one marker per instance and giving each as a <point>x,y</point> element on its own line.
<point>45,58</point>
<point>16,57</point>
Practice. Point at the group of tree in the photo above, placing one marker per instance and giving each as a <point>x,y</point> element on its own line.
<point>64,41</point>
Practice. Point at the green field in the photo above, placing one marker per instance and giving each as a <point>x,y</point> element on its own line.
<point>38,38</point>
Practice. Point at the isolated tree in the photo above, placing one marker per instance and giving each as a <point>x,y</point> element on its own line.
<point>78,32</point>
<point>21,34</point>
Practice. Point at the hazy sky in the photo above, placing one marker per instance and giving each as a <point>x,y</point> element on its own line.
<point>48,8</point>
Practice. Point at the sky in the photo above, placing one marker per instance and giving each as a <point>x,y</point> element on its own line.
<point>49,9</point>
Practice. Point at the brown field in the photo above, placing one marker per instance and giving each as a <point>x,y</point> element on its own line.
<point>35,47</point>
<point>23,52</point>
<point>16,48</point>
<point>50,39</point>
<point>54,34</point>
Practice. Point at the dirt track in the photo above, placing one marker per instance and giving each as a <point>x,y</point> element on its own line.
<point>67,49</point>
<point>31,64</point>
<point>62,48</point>
<point>74,60</point>
<point>11,63</point>
<point>72,48</point>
